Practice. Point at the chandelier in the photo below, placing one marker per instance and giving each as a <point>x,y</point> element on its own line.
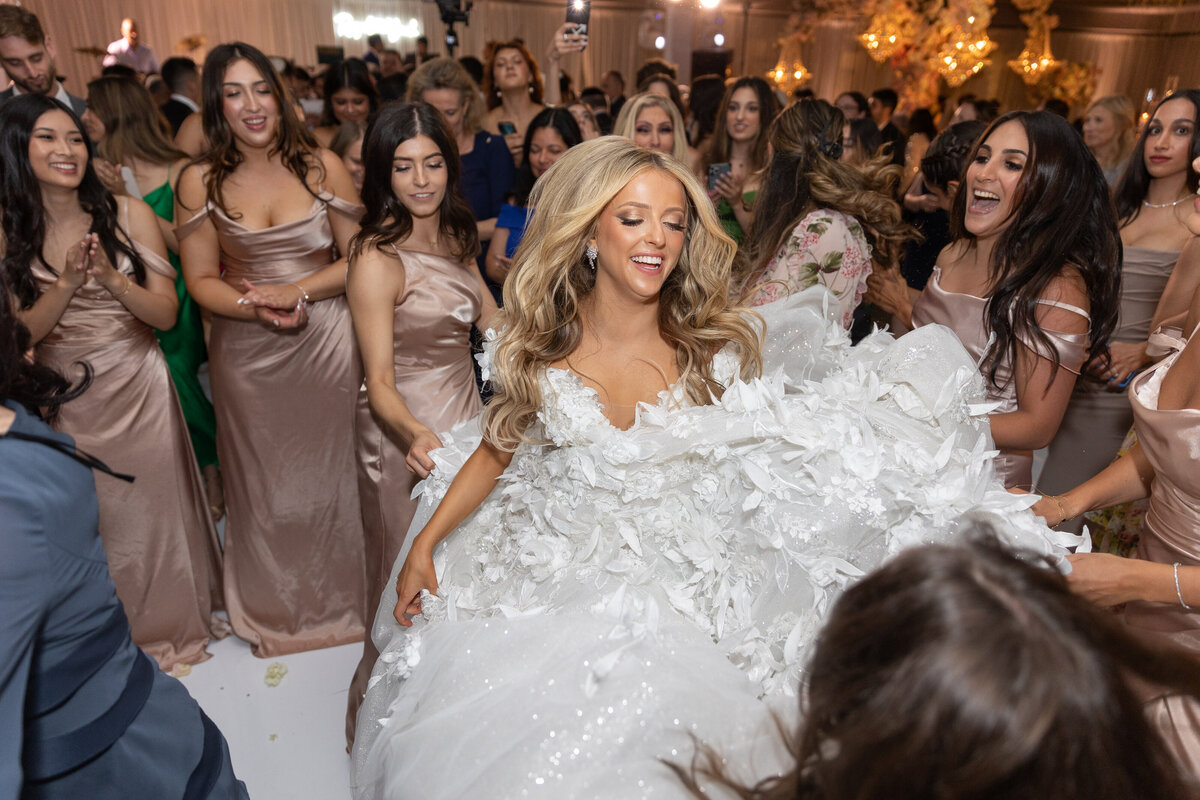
<point>789,72</point>
<point>963,55</point>
<point>1036,59</point>
<point>891,29</point>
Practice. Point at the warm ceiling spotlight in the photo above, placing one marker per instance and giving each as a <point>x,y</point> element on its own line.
<point>719,40</point>
<point>660,42</point>
<point>709,3</point>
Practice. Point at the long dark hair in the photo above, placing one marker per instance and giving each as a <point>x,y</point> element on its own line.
<point>349,74</point>
<point>1134,182</point>
<point>1062,219</point>
<point>24,220</point>
<point>970,672</point>
<point>386,220</point>
<point>805,174</point>
<point>560,120</point>
<point>720,147</point>
<point>37,387</point>
<point>293,143</point>
<point>946,158</point>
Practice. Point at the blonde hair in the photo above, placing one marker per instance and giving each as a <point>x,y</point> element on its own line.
<point>1125,120</point>
<point>446,73</point>
<point>627,120</point>
<point>549,280</point>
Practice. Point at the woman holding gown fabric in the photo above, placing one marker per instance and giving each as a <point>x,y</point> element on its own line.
<point>647,536</point>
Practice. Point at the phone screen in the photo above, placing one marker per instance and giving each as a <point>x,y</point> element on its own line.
<point>715,171</point>
<point>578,13</point>
<point>507,128</point>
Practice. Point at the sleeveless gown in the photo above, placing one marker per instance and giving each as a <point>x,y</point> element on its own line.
<point>621,591</point>
<point>183,346</point>
<point>965,315</point>
<point>161,544</point>
<point>1099,415</point>
<point>1171,442</point>
<point>432,338</point>
<point>285,404</point>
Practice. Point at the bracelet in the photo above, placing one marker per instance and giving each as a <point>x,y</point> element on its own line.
<point>1058,502</point>
<point>303,293</point>
<point>124,291</point>
<point>1178,593</point>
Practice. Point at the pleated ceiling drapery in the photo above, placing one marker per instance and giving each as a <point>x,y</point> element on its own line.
<point>1129,63</point>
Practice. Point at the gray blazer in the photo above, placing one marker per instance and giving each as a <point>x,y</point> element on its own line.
<point>78,104</point>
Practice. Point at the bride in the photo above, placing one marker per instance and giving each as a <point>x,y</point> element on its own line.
<point>639,549</point>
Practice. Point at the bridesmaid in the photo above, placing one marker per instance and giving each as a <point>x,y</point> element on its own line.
<point>129,132</point>
<point>1160,588</point>
<point>414,293</point>
<point>98,307</point>
<point>1030,283</point>
<point>276,210</point>
<point>1151,199</point>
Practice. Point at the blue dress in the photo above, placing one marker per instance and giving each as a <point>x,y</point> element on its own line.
<point>515,219</point>
<point>487,176</point>
<point>83,711</point>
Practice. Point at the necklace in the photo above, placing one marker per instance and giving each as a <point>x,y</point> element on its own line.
<point>1148,204</point>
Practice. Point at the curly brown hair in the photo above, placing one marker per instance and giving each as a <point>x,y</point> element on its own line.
<point>492,92</point>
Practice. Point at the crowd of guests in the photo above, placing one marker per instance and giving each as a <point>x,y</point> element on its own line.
<point>331,242</point>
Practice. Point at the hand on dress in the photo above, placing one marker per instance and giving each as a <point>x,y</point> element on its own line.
<point>729,187</point>
<point>282,319</point>
<point>563,42</point>
<point>503,265</point>
<point>75,269</point>
<point>1126,357</point>
<point>417,460</point>
<point>1048,507</point>
<point>416,575</point>
<point>1104,579</point>
<point>110,175</point>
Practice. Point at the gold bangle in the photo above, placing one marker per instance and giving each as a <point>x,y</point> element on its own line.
<point>124,291</point>
<point>1057,498</point>
<point>303,293</point>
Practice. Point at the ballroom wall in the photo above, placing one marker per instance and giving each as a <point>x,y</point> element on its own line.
<point>1136,48</point>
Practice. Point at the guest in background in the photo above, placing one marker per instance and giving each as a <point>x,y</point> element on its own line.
<point>1153,202</point>
<point>474,68</point>
<point>1030,283</point>
<point>374,49</point>
<point>740,140</point>
<point>663,84</point>
<point>853,105</point>
<point>276,212</point>
<point>130,52</point>
<point>704,103</point>
<point>347,145</point>
<point>818,220</point>
<point>1056,106</point>
<point>861,142</point>
<point>921,133</point>
<point>652,121</point>
<point>27,55</point>
<point>1109,130</point>
<point>613,84</point>
<point>550,135</point>
<point>350,96</point>
<point>512,89</point>
<point>390,63</point>
<point>91,279</point>
<point>882,103</point>
<point>417,59</point>
<point>158,90</point>
<point>589,127</point>
<point>183,79</point>
<point>656,66</point>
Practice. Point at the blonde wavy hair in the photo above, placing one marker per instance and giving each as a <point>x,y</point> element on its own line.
<point>1125,120</point>
<point>804,174</point>
<point>446,73</point>
<point>550,279</point>
<point>627,120</point>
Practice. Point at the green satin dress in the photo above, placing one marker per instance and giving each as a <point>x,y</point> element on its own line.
<point>183,345</point>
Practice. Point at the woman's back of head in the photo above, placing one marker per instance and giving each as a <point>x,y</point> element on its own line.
<point>133,126</point>
<point>946,158</point>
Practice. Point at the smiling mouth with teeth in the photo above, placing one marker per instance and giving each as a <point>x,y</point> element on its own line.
<point>650,261</point>
<point>984,201</point>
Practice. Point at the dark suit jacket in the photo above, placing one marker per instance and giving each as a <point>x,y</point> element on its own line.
<point>892,135</point>
<point>78,104</point>
<point>175,112</point>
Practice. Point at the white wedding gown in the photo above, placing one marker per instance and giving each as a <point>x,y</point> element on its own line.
<point>621,595</point>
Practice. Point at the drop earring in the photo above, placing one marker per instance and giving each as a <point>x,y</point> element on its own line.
<point>590,254</point>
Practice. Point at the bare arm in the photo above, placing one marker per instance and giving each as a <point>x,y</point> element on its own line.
<point>200,253</point>
<point>154,302</point>
<point>44,314</point>
<point>473,483</point>
<point>561,43</point>
<point>497,264</point>
<point>1181,286</point>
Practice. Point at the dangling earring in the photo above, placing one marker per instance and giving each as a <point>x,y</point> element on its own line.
<point>590,254</point>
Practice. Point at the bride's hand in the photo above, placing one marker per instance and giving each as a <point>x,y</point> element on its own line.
<point>416,574</point>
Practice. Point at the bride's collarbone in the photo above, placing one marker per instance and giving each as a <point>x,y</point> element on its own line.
<point>622,382</point>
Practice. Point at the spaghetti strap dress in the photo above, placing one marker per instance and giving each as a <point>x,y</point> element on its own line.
<point>435,376</point>
<point>965,315</point>
<point>1170,439</point>
<point>183,345</point>
<point>161,544</point>
<point>285,404</point>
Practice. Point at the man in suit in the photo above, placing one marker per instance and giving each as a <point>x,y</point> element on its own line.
<point>183,79</point>
<point>613,84</point>
<point>27,55</point>
<point>882,103</point>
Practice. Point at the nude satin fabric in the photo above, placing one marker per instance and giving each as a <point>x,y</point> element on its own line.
<point>1099,415</point>
<point>432,339</point>
<point>285,404</point>
<point>965,315</point>
<point>1171,441</point>
<point>161,545</point>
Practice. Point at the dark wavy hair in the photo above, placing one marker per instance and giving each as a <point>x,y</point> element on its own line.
<point>491,92</point>
<point>1062,219</point>
<point>293,143</point>
<point>37,387</point>
<point>946,158</point>
<point>24,218</point>
<point>349,74</point>
<point>560,120</point>
<point>1134,182</point>
<point>972,672</point>
<point>386,220</point>
<point>720,146</point>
